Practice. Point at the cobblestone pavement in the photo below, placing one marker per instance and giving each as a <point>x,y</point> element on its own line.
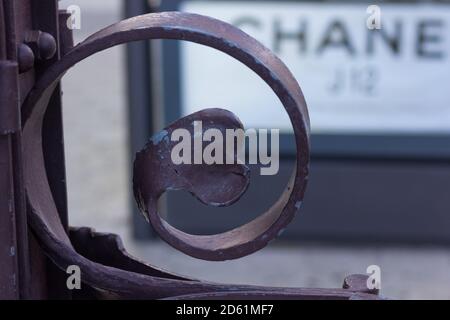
<point>96,137</point>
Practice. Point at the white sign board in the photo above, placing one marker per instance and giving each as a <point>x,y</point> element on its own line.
<point>355,80</point>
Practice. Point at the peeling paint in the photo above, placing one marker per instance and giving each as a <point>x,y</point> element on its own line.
<point>157,138</point>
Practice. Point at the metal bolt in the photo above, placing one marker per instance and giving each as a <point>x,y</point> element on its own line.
<point>46,46</point>
<point>25,57</point>
<point>43,44</point>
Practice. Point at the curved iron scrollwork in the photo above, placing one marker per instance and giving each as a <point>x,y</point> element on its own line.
<point>110,271</point>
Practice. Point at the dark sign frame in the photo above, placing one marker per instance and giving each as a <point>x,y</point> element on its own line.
<point>383,146</point>
<point>362,188</point>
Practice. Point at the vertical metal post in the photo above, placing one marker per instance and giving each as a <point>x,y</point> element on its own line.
<point>14,253</point>
<point>46,18</point>
<point>9,270</point>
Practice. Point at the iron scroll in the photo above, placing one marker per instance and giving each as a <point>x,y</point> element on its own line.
<point>118,280</point>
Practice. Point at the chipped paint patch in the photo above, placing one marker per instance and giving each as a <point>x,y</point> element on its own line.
<point>160,136</point>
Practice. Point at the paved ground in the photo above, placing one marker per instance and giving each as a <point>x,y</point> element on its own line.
<point>405,273</point>
<point>95,125</point>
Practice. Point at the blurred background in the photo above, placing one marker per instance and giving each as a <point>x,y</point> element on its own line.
<point>379,107</point>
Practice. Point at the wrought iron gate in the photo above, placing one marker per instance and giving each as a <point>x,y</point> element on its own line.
<point>36,244</point>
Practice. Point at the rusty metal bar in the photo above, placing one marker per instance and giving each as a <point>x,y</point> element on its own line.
<point>46,19</point>
<point>9,124</point>
<point>9,113</point>
<point>8,245</point>
<point>11,155</point>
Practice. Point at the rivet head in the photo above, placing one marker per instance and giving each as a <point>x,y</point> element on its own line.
<point>46,46</point>
<point>25,57</point>
<point>42,44</point>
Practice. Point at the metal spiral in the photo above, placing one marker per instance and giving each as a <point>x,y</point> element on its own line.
<point>118,275</point>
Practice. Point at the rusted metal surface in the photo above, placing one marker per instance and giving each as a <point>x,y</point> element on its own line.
<point>298,294</point>
<point>112,274</point>
<point>20,23</point>
<point>107,270</point>
<point>214,185</point>
<point>236,43</point>
<point>108,250</point>
<point>11,212</point>
<point>9,113</point>
<point>358,282</point>
<point>8,245</point>
<point>42,44</point>
<point>47,22</point>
